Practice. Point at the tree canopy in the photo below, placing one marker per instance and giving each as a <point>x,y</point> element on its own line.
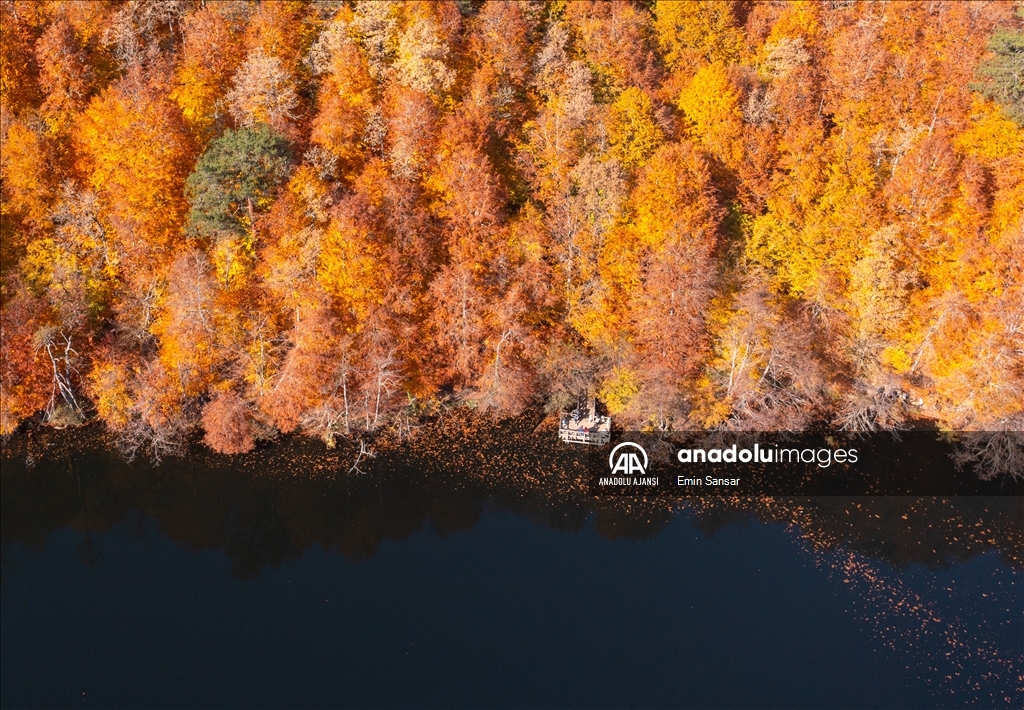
<point>335,217</point>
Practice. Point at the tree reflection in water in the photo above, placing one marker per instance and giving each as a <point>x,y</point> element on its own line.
<point>268,506</point>
<point>271,505</point>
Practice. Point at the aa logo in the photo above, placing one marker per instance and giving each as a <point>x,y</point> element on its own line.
<point>627,463</point>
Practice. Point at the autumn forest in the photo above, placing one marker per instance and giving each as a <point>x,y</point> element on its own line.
<point>239,219</point>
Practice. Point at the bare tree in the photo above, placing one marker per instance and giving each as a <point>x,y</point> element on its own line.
<point>159,420</point>
<point>362,455</point>
<point>765,369</point>
<point>63,408</point>
<point>141,29</point>
<point>376,26</point>
<point>993,453</point>
<point>422,52</point>
<point>881,405</point>
<point>379,384</point>
<point>263,91</point>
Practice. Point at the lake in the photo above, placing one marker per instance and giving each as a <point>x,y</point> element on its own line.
<point>276,579</point>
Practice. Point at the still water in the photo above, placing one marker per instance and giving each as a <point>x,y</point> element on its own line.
<point>268,582</point>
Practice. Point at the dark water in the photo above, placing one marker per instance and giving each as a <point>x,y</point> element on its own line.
<point>270,581</point>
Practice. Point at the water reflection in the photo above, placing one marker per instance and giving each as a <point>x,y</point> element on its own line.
<point>267,507</point>
<point>270,506</point>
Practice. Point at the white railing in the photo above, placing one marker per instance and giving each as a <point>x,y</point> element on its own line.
<point>575,436</point>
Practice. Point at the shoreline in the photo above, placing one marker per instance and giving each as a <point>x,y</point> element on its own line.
<point>76,479</point>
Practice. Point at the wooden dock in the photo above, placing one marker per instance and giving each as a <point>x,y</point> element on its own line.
<point>584,425</point>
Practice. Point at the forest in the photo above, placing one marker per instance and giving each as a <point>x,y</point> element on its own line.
<point>238,219</point>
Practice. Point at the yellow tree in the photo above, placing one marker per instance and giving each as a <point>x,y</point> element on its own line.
<point>695,33</point>
<point>19,75</point>
<point>633,132</point>
<point>188,326</point>
<point>965,328</point>
<point>711,106</point>
<point>294,230</point>
<point>762,375</point>
<point>209,55</point>
<point>657,274</point>
<point>997,143</point>
<point>28,183</point>
<point>776,235</point>
<point>77,262</point>
<point>422,55</point>
<point>346,95</point>
<point>351,265</point>
<point>136,154</point>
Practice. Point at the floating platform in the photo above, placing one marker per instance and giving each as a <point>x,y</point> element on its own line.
<point>584,425</point>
